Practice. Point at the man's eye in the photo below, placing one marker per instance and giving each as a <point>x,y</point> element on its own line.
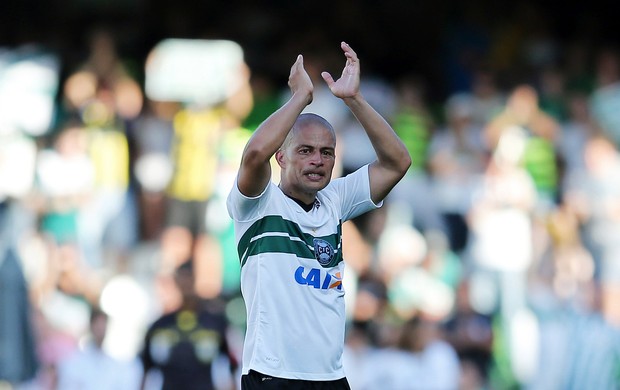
<point>304,151</point>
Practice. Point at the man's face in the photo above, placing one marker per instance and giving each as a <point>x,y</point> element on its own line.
<point>307,161</point>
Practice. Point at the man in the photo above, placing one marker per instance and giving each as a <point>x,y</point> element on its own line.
<point>91,367</point>
<point>187,344</point>
<point>289,236</point>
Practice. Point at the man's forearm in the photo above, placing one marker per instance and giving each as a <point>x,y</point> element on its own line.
<point>390,150</point>
<point>269,136</point>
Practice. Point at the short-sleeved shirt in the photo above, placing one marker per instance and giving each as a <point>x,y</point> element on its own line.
<point>291,276</point>
<point>183,346</point>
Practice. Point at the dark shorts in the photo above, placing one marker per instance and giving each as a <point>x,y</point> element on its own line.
<point>188,214</point>
<point>256,380</point>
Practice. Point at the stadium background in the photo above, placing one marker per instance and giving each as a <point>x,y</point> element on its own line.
<point>393,37</point>
<point>441,44</point>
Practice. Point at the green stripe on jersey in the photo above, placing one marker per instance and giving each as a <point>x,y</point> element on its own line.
<point>274,234</point>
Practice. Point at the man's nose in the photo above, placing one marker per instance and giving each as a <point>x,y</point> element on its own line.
<point>317,158</point>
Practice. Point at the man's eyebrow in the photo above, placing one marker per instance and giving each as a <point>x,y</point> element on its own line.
<point>314,147</point>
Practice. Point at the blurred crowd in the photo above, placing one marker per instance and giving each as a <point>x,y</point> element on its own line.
<point>494,264</point>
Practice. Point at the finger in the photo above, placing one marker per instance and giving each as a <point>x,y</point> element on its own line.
<point>348,51</point>
<point>327,77</point>
<point>299,64</point>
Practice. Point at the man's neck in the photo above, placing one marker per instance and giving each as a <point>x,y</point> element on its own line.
<point>305,206</point>
<point>301,203</point>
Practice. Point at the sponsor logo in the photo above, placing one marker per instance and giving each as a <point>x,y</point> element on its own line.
<point>318,278</point>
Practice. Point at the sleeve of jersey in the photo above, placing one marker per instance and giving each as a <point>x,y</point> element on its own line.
<point>353,191</point>
<point>244,208</point>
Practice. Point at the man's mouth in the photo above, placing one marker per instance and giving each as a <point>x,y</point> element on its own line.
<point>314,176</point>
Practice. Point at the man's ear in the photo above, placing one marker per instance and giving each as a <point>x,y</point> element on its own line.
<point>280,158</point>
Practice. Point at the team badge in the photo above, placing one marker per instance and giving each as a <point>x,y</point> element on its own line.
<point>323,251</point>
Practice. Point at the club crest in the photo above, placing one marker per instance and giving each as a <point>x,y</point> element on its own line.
<point>323,251</point>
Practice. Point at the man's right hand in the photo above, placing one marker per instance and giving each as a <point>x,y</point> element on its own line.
<point>299,81</point>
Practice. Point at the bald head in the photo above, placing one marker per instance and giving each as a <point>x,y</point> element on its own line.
<point>305,120</point>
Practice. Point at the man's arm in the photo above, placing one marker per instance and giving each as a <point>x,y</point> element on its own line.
<point>255,170</point>
<point>393,159</point>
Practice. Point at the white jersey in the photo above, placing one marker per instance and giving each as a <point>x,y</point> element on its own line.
<point>291,277</point>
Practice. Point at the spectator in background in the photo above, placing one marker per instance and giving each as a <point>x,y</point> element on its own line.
<point>435,364</point>
<point>414,124</point>
<point>419,271</point>
<point>188,345</point>
<point>580,348</point>
<point>593,194</point>
<point>152,134</point>
<point>65,183</point>
<point>108,222</point>
<point>18,161</point>
<point>539,131</point>
<point>198,135</point>
<point>28,87</point>
<point>63,294</point>
<point>412,120</point>
<point>501,247</point>
<point>103,72</point>
<point>18,360</point>
<point>194,155</point>
<point>605,98</point>
<point>357,358</point>
<point>556,281</point>
<point>91,367</point>
<point>419,359</point>
<point>233,139</point>
<point>487,97</point>
<point>593,344</point>
<point>577,130</point>
<point>470,333</point>
<point>457,159</point>
<point>103,94</point>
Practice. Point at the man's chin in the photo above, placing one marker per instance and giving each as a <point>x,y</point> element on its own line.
<point>317,185</point>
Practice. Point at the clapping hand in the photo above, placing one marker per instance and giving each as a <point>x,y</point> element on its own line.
<point>348,84</point>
